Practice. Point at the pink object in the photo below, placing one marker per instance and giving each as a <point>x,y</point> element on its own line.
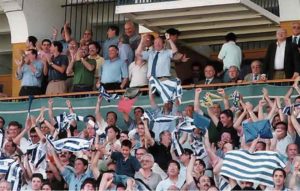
<point>125,104</point>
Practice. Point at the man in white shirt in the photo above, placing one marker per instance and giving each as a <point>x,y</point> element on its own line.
<point>282,60</point>
<point>230,54</point>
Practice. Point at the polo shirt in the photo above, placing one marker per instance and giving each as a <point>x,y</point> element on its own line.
<point>53,74</point>
<point>113,71</point>
<point>81,74</point>
<point>74,181</point>
<point>125,167</point>
<point>151,181</point>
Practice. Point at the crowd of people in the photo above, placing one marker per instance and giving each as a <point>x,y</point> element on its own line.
<point>167,151</point>
<point>129,59</point>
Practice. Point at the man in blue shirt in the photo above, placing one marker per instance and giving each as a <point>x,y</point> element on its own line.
<point>114,72</point>
<point>159,59</point>
<point>30,72</point>
<point>112,39</point>
<point>75,177</point>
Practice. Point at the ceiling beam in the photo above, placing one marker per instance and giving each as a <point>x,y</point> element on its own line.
<point>237,31</point>
<point>189,12</point>
<point>249,39</point>
<point>203,19</point>
<point>254,22</point>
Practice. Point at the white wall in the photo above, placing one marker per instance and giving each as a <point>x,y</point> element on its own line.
<point>289,10</point>
<point>42,15</point>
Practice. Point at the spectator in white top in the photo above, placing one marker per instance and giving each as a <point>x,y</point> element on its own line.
<point>230,54</point>
<point>138,72</point>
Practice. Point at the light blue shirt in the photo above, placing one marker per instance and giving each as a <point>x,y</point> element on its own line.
<point>113,71</point>
<point>231,54</point>
<point>126,53</point>
<point>28,77</point>
<point>74,181</point>
<point>163,65</point>
<point>106,44</point>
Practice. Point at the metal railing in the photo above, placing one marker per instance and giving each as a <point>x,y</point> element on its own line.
<point>282,82</point>
<point>270,5</point>
<point>96,15</point>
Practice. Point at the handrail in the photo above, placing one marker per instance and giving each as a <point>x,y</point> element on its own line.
<point>146,89</point>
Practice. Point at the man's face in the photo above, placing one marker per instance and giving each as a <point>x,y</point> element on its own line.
<point>87,35</point>
<point>13,131</point>
<point>233,73</point>
<point>148,41</point>
<point>158,44</point>
<point>129,29</point>
<point>46,46</point>
<point>139,154</point>
<point>9,148</point>
<point>209,72</point>
<point>111,33</point>
<point>88,187</point>
<point>138,113</point>
<point>189,110</point>
<point>281,131</point>
<point>174,38</point>
<point>204,183</point>
<point>111,134</point>
<point>226,137</point>
<point>125,151</point>
<point>225,120</point>
<point>281,35</point>
<point>79,167</point>
<point>278,178</point>
<point>292,151</point>
<point>113,53</point>
<point>110,119</point>
<point>173,169</point>
<point>146,162</point>
<point>34,137</point>
<point>92,50</point>
<point>141,130</point>
<point>296,29</point>
<point>36,183</point>
<point>64,156</point>
<point>255,68</point>
<point>166,137</point>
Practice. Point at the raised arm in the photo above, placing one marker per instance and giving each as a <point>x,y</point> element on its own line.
<point>173,46</point>
<point>98,115</point>
<point>213,117</point>
<point>148,139</point>
<point>266,97</point>
<point>196,100</point>
<point>295,122</point>
<point>189,170</point>
<point>152,100</point>
<point>222,92</point>
<point>57,162</point>
<point>50,112</point>
<point>141,46</point>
